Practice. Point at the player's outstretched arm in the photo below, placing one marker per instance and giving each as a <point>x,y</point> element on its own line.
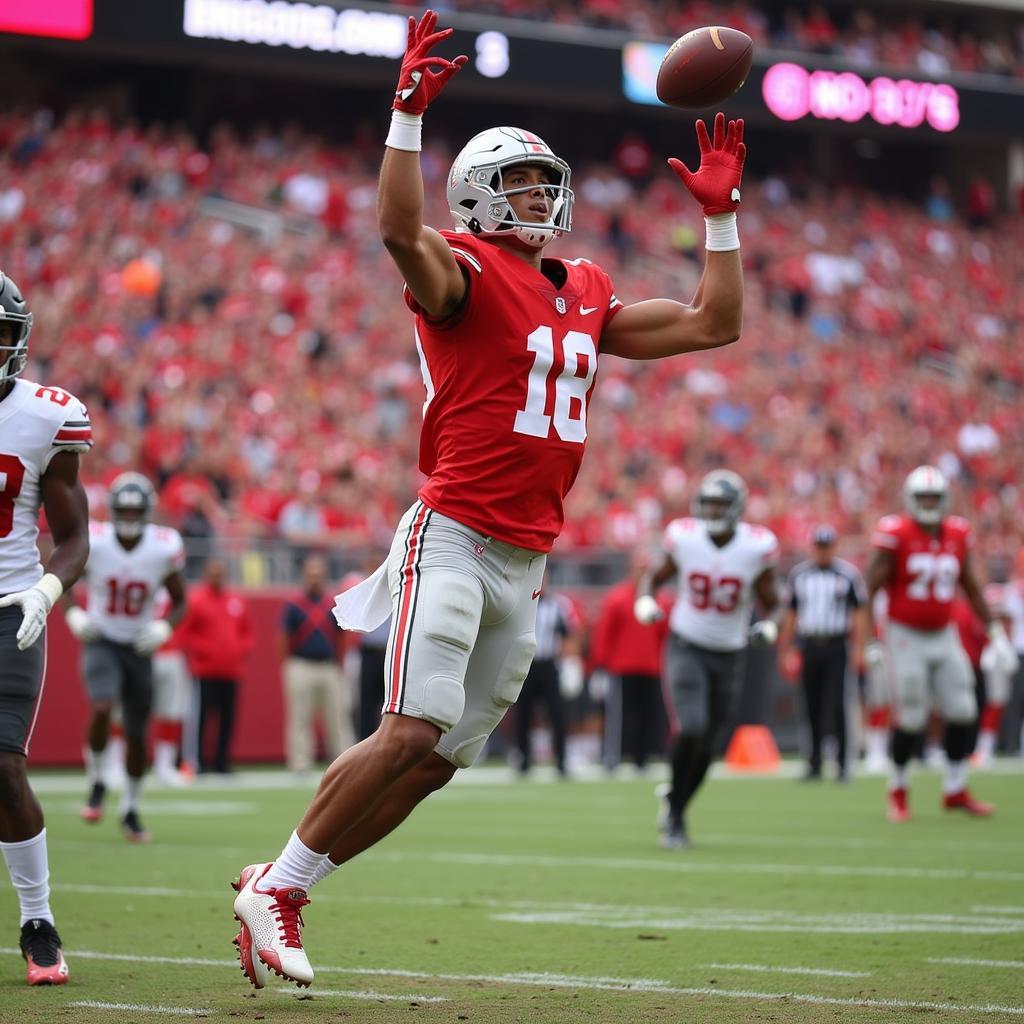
<point>421,254</point>
<point>664,327</point>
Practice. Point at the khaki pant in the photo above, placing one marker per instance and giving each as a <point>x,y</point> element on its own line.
<point>312,686</point>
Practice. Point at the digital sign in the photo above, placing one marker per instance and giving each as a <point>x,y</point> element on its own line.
<point>55,19</point>
<point>791,92</point>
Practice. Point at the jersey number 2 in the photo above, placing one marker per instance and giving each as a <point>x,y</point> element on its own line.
<point>570,411</point>
<point>12,474</point>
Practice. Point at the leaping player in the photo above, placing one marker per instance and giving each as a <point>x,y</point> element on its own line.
<point>509,344</point>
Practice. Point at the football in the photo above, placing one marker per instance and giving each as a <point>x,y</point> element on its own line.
<point>704,67</point>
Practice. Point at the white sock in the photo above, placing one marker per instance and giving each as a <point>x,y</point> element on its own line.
<point>163,757</point>
<point>93,765</point>
<point>29,869</point>
<point>112,766</point>
<point>130,795</point>
<point>295,868</point>
<point>898,779</point>
<point>986,745</point>
<point>324,868</point>
<point>956,777</point>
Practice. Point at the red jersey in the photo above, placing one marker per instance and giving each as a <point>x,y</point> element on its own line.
<point>509,379</point>
<point>927,568</point>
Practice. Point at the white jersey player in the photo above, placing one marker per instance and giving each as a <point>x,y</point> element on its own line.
<point>42,432</point>
<point>721,564</point>
<point>130,560</point>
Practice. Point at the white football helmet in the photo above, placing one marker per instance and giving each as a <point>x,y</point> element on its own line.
<point>480,205</point>
<point>14,309</point>
<point>131,492</point>
<point>923,481</point>
<point>724,486</point>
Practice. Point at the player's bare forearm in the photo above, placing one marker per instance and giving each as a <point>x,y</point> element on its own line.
<point>67,514</point>
<point>175,584</point>
<point>659,328</point>
<point>400,199</point>
<point>653,579</point>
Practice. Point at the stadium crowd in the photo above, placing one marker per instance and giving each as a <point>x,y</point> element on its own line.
<point>887,36</point>
<point>265,376</point>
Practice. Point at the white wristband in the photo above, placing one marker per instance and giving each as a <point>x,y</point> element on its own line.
<point>406,130</point>
<point>722,235</point>
<point>51,587</point>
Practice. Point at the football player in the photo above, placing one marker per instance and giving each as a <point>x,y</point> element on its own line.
<point>721,564</point>
<point>130,559</point>
<point>509,344</point>
<point>920,558</point>
<point>42,432</point>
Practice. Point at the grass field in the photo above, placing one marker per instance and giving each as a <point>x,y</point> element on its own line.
<point>504,901</point>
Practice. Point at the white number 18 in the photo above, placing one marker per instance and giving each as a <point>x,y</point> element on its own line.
<point>570,423</point>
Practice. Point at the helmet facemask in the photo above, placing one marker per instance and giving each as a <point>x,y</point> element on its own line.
<point>720,502</point>
<point>14,311</point>
<point>924,482</point>
<point>478,201</point>
<point>131,501</point>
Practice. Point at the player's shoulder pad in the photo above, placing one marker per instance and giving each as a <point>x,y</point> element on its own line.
<point>685,526</point>
<point>958,524</point>
<point>761,538</point>
<point>888,532</point>
<point>99,529</point>
<point>467,249</point>
<point>65,413</point>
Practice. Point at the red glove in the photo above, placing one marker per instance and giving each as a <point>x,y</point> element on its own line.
<point>716,185</point>
<point>417,84</point>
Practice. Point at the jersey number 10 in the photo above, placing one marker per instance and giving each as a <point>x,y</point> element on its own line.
<point>570,410</point>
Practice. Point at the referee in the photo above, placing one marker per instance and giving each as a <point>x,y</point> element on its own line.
<point>827,602</point>
<point>557,631</point>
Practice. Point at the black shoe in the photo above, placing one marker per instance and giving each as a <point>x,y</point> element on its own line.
<point>674,837</point>
<point>811,775</point>
<point>40,946</point>
<point>132,828</point>
<point>93,809</point>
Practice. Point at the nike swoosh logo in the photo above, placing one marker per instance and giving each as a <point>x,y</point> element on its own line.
<point>536,594</point>
<point>585,311</point>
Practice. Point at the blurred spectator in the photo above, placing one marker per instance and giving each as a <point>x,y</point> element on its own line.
<point>314,685</point>
<point>216,636</point>
<point>626,656</point>
<point>265,363</point>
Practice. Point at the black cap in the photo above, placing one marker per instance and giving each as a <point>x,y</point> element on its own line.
<point>824,535</point>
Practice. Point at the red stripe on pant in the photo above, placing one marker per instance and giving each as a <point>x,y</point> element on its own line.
<point>404,607</point>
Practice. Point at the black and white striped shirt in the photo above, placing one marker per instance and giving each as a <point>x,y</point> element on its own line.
<point>824,598</point>
<point>556,619</point>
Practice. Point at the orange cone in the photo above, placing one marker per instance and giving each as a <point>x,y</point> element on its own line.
<point>752,749</point>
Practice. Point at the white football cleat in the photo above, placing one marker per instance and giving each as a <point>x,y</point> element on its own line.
<point>274,920</point>
<point>252,966</point>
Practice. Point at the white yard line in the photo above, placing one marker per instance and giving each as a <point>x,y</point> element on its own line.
<point>175,1011</point>
<point>823,972</point>
<point>969,962</point>
<point>1010,911</point>
<point>682,865</point>
<point>620,918</point>
<point>626,985</point>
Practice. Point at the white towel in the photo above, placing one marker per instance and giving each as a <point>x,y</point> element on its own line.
<point>366,605</point>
